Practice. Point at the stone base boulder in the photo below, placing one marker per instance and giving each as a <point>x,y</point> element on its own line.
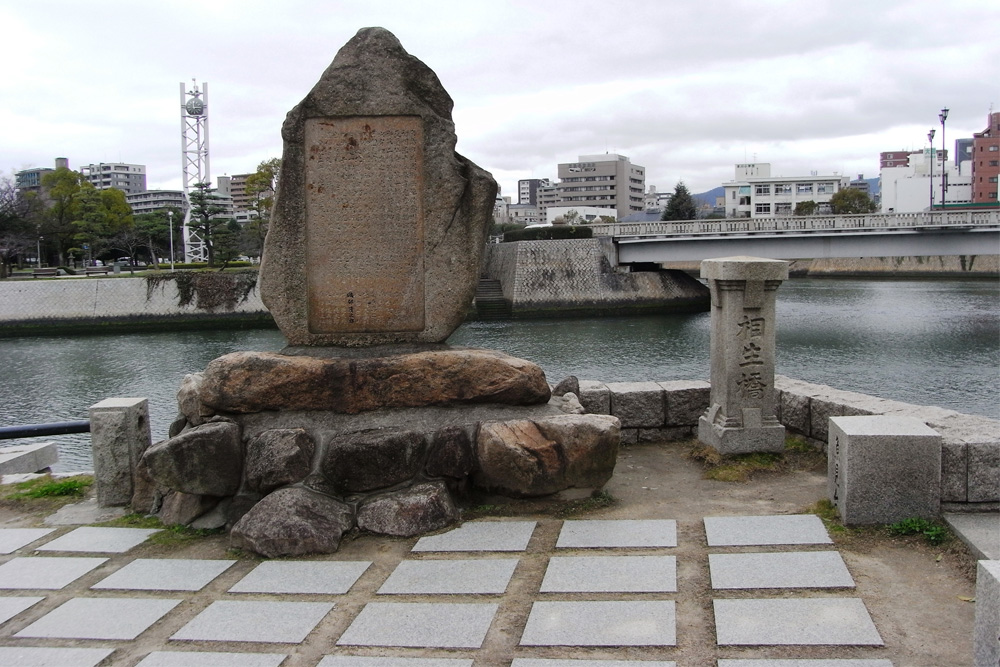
<point>204,460</point>
<point>419,509</point>
<point>293,522</point>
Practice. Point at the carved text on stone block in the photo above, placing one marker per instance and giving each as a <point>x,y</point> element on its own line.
<point>364,224</point>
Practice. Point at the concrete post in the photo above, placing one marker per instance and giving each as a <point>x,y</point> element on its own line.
<point>986,636</point>
<point>119,434</point>
<point>741,415</point>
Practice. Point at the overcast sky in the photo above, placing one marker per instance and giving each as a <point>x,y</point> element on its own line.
<point>685,89</point>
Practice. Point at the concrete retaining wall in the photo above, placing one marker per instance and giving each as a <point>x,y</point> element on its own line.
<point>658,411</point>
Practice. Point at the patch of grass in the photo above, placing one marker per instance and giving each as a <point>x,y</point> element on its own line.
<point>737,467</point>
<point>133,521</point>
<point>827,512</point>
<point>596,501</point>
<point>933,532</point>
<point>168,535</point>
<point>46,487</point>
<point>794,443</point>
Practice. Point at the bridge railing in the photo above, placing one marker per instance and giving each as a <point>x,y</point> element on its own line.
<point>802,224</point>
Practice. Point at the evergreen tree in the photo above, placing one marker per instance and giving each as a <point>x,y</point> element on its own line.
<point>681,205</point>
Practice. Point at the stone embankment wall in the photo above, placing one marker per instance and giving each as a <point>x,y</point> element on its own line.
<point>75,304</point>
<point>657,411</point>
<point>578,277</point>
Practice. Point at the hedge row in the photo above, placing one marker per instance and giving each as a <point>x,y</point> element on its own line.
<point>549,233</point>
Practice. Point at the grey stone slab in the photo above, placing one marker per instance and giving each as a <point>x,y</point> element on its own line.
<point>560,662</point>
<point>84,512</point>
<point>99,539</point>
<point>803,569</point>
<point>610,574</point>
<point>737,531</point>
<point>359,661</point>
<point>806,663</point>
<point>986,630</point>
<point>255,621</point>
<point>165,574</point>
<point>601,624</point>
<point>621,533</point>
<point>429,625</point>
<point>25,656</point>
<point>11,607</point>
<point>210,659</point>
<point>100,618</point>
<point>12,539</point>
<point>638,404</point>
<point>808,621</point>
<point>480,536</point>
<point>28,458</point>
<point>45,573</point>
<point>307,577</point>
<point>450,577</point>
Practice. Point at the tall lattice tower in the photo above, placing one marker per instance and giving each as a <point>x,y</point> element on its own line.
<point>194,159</point>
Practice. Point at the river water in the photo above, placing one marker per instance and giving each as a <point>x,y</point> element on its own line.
<point>928,342</point>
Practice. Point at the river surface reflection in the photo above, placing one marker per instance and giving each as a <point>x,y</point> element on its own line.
<point>929,342</point>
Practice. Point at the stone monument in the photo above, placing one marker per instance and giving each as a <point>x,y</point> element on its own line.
<point>741,416</point>
<point>368,419</point>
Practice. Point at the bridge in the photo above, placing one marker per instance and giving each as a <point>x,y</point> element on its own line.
<point>809,237</point>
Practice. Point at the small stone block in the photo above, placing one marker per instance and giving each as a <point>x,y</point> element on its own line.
<point>12,539</point>
<point>100,618</point>
<point>427,625</point>
<point>28,458</point>
<point>611,574</point>
<point>638,404</point>
<point>984,471</point>
<point>450,577</point>
<point>11,607</point>
<point>98,539</point>
<point>359,661</point>
<point>45,573</point>
<point>686,401</point>
<point>781,622</point>
<point>806,663</point>
<point>210,659</point>
<point>558,662</point>
<point>255,621</point>
<point>25,656</point>
<point>625,533</point>
<point>979,530</point>
<point>595,397</point>
<point>806,569</point>
<point>744,531</point>
<point>882,469</point>
<point>481,536</point>
<point>165,574</point>
<point>305,577</point>
<point>986,635</point>
<point>601,624</point>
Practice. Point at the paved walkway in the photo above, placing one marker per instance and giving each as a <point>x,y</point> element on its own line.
<point>547,593</point>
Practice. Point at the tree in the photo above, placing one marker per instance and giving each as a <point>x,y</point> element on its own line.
<point>18,217</point>
<point>155,228</point>
<point>206,208</point>
<point>851,201</point>
<point>61,190</point>
<point>681,205</point>
<point>260,189</point>
<point>807,207</point>
<point>100,215</point>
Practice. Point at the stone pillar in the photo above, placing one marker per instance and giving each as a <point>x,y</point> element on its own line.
<point>986,637</point>
<point>883,469</point>
<point>119,434</point>
<point>741,415</point>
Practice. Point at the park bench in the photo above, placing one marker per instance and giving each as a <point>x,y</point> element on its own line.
<point>94,270</point>
<point>44,272</point>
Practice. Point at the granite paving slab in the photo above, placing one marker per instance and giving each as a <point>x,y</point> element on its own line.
<point>480,536</point>
<point>165,574</point>
<point>210,659</point>
<point>305,577</point>
<point>39,572</point>
<point>100,618</point>
<point>12,539</point>
<point>359,661</point>
<point>11,607</point>
<point>610,574</point>
<point>808,621</point>
<point>620,533</point>
<point>99,539</point>
<point>800,569</point>
<point>979,530</point>
<point>848,662</point>
<point>429,624</point>
<point>601,624</point>
<point>560,662</point>
<point>27,656</point>
<point>734,531</point>
<point>255,621</point>
<point>450,577</point>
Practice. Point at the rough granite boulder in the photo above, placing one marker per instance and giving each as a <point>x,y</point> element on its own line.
<point>245,382</point>
<point>372,460</point>
<point>183,508</point>
<point>277,457</point>
<point>418,509</point>
<point>379,107</point>
<point>589,445</point>
<point>204,460</point>
<point>292,522</point>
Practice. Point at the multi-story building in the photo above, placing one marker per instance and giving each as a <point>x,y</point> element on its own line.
<point>912,187</point>
<point>754,193</point>
<point>238,191</point>
<point>602,181</point>
<point>527,189</point>
<point>524,214</point>
<point>963,150</point>
<point>894,159</point>
<point>30,180</point>
<point>986,162</point>
<point>156,200</point>
<point>129,178</point>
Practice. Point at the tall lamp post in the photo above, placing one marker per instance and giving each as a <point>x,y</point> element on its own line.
<point>170,216</point>
<point>930,138</point>
<point>943,116</point>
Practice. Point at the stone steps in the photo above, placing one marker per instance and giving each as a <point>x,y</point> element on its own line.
<point>490,304</point>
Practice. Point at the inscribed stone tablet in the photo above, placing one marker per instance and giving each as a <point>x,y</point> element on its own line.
<point>364,224</point>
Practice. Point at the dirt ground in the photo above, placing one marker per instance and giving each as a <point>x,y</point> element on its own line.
<point>913,591</point>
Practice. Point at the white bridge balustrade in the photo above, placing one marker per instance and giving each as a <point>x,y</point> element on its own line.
<point>798,237</point>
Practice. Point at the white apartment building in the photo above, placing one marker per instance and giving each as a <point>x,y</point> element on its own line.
<point>911,188</point>
<point>524,214</point>
<point>129,178</point>
<point>608,181</point>
<point>155,200</point>
<point>754,193</point>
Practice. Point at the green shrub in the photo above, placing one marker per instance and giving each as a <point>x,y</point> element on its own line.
<point>549,233</point>
<point>934,532</point>
<point>46,487</point>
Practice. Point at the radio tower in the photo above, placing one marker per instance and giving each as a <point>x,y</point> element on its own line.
<point>194,158</point>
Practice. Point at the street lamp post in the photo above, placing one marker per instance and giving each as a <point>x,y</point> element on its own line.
<point>943,116</point>
<point>170,216</point>
<point>38,256</point>
<point>930,138</point>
